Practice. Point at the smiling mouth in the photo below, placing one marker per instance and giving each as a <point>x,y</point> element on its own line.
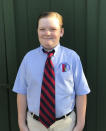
<point>48,38</point>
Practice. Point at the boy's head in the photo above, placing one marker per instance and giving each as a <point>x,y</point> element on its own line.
<point>50,29</point>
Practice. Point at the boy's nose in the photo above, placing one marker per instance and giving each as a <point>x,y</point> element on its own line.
<point>47,32</point>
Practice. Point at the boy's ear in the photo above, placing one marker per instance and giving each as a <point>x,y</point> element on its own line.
<point>62,32</point>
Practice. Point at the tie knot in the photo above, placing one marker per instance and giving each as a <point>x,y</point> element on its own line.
<point>50,53</point>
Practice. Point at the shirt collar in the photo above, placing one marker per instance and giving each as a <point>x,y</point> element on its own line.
<point>56,48</point>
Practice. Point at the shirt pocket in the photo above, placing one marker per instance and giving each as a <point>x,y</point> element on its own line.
<point>65,83</point>
<point>66,76</point>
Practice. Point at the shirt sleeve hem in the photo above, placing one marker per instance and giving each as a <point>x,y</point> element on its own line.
<point>19,92</point>
<point>84,93</point>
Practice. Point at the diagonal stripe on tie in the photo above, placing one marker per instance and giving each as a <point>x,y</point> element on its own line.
<point>49,81</point>
<point>47,99</point>
<point>47,114</point>
<point>49,78</point>
<point>50,72</point>
<point>48,93</point>
<point>51,66</point>
<point>50,89</point>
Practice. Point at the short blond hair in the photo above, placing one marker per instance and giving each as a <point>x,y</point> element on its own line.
<point>47,14</point>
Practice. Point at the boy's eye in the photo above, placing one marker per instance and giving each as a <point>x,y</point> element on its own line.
<point>42,29</point>
<point>53,29</point>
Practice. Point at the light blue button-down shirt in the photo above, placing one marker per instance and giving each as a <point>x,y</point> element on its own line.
<point>69,78</point>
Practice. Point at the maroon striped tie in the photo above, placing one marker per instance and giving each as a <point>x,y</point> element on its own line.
<point>47,99</point>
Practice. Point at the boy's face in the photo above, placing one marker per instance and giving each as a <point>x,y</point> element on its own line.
<point>49,32</point>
